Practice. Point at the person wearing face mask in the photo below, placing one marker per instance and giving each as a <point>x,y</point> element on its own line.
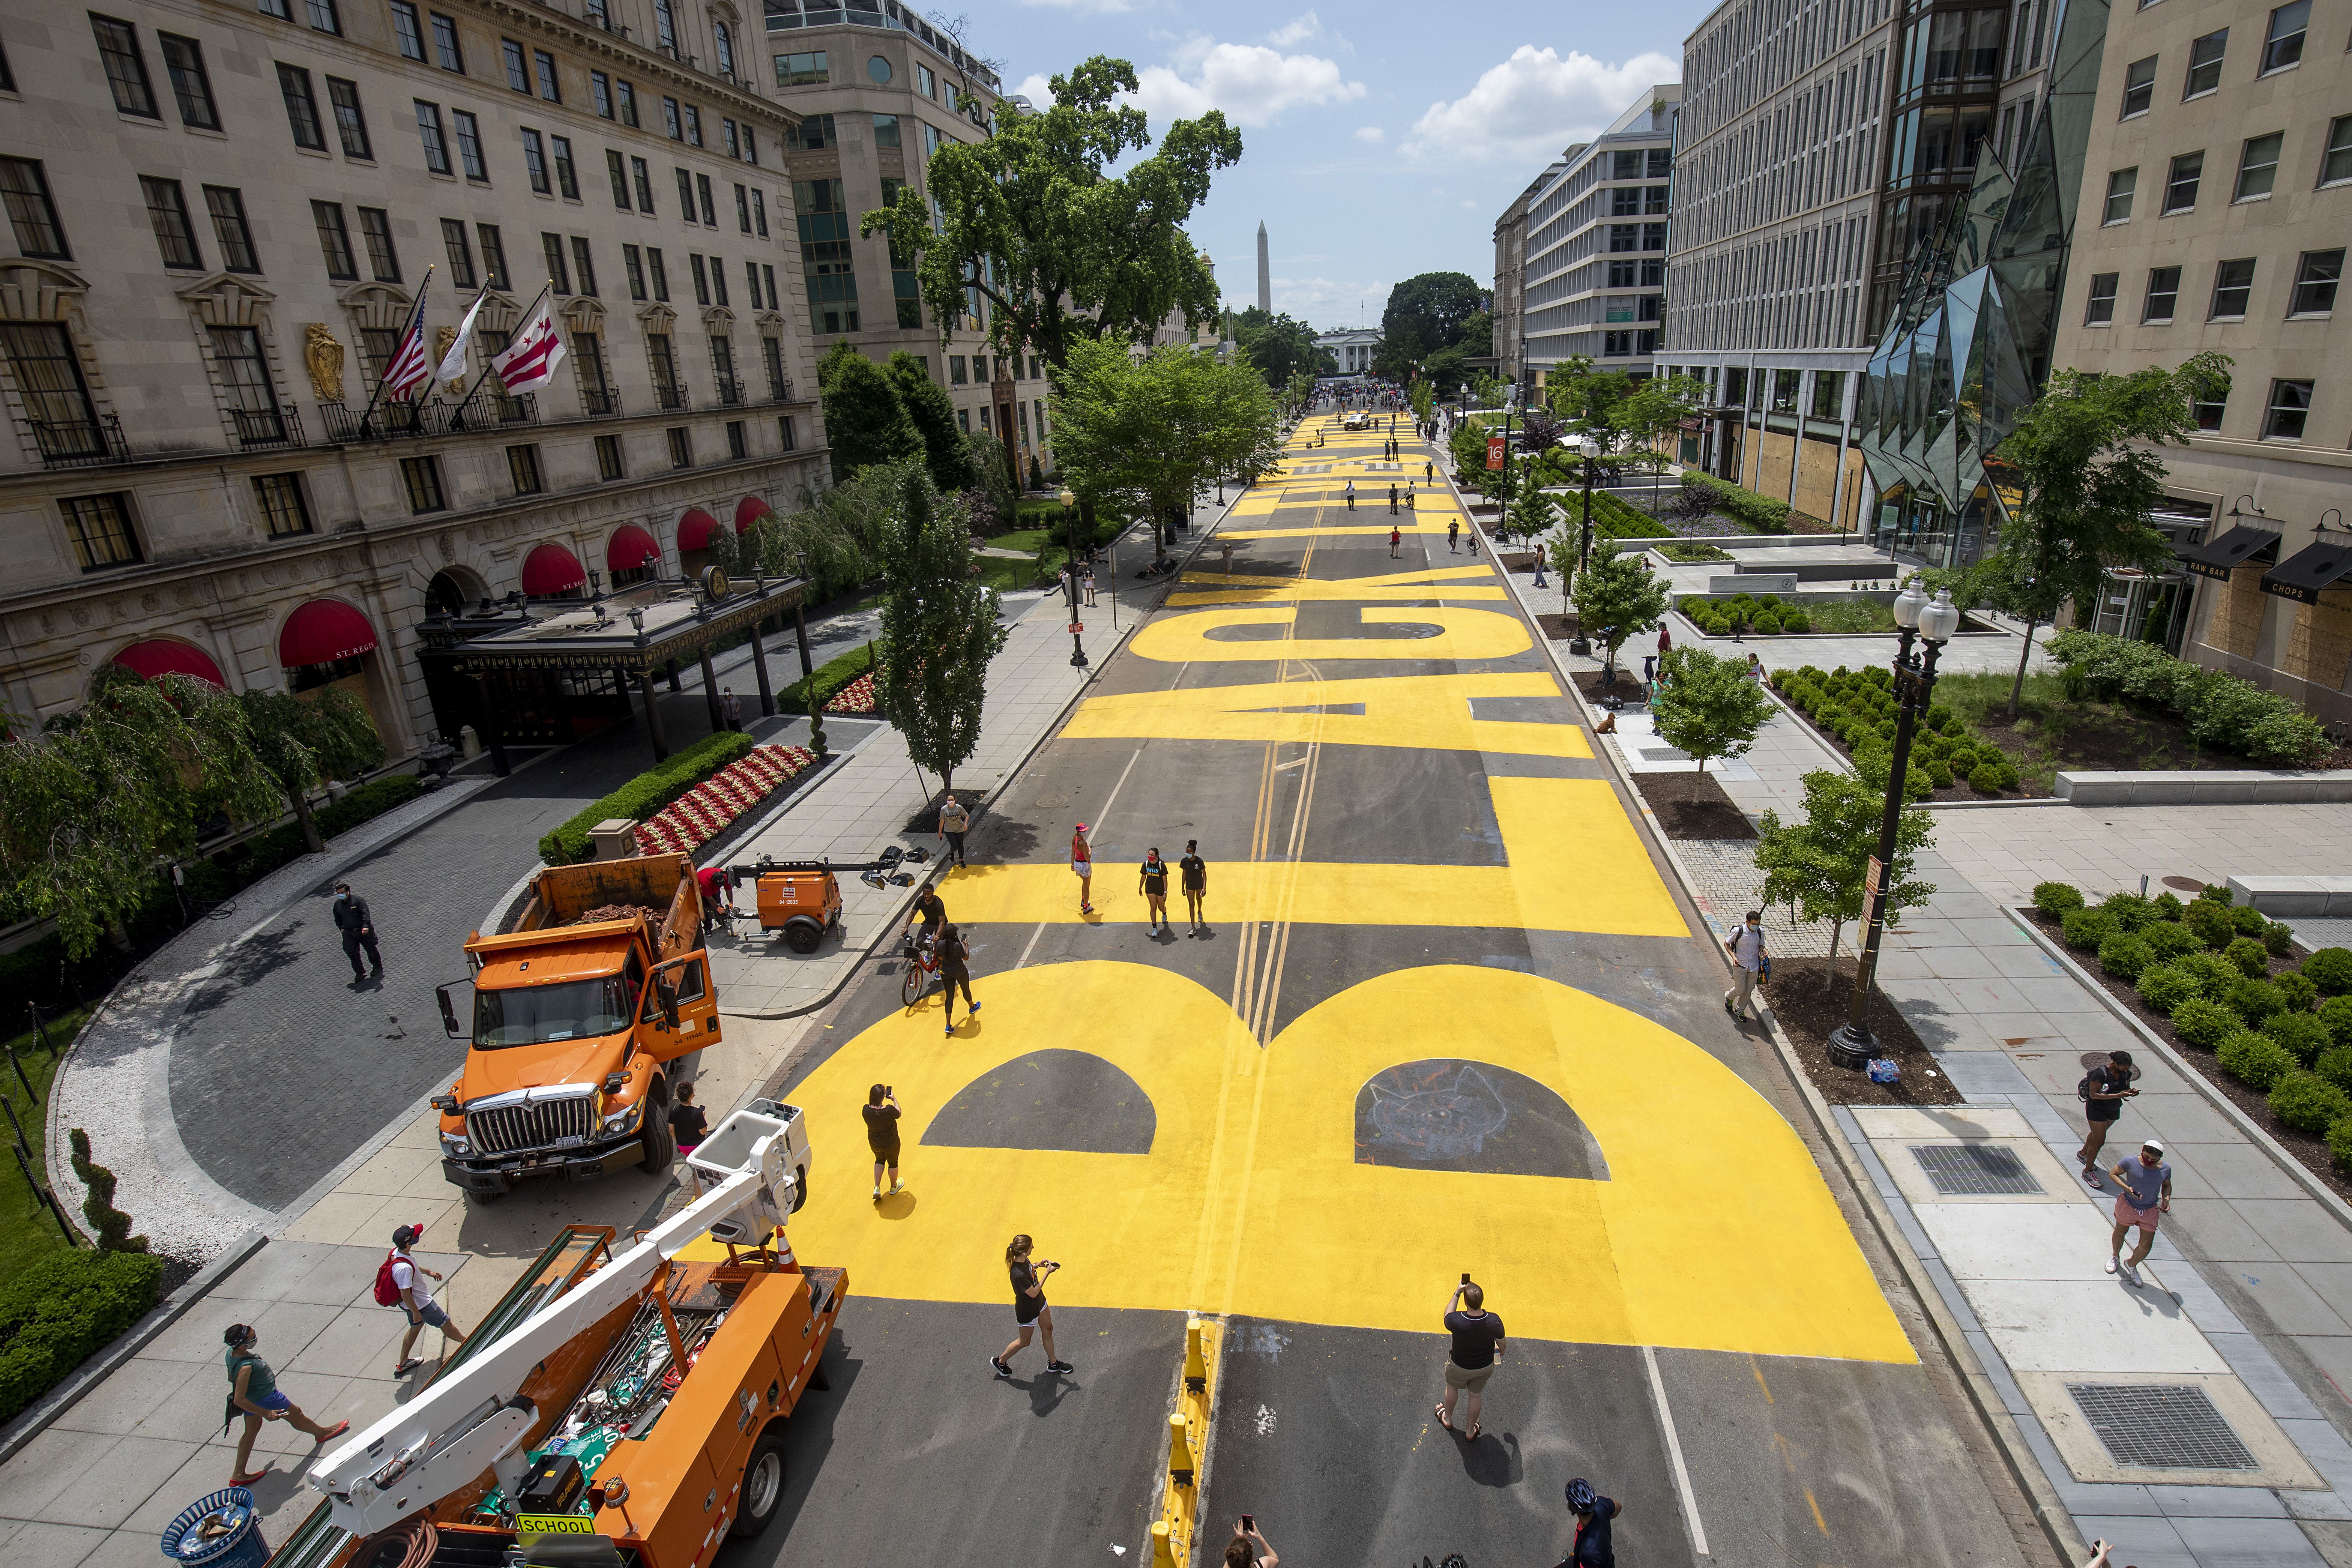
<point>253,1392</point>
<point>1747,950</point>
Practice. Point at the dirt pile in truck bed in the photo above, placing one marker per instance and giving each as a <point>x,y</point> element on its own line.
<point>615,913</point>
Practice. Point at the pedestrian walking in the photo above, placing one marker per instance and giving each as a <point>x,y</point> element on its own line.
<point>1153,883</point>
<point>253,1390</point>
<point>1248,1546</point>
<point>357,922</point>
<point>1351,495</point>
<point>954,954</point>
<point>881,1109</point>
<point>1471,1358</point>
<point>1196,885</point>
<point>688,1126</point>
<point>954,823</point>
<point>1229,557</point>
<point>1089,585</point>
<point>2103,1092</point>
<point>408,1277</point>
<point>1666,642</point>
<point>1754,668</point>
<point>1082,864</point>
<point>1595,1515</point>
<point>1395,538</point>
<point>2146,1194</point>
<point>1392,497</point>
<point>1429,472</point>
<point>1747,964</point>
<point>731,706</point>
<point>1408,495</point>
<point>1649,668</point>
<point>1453,534</point>
<point>1030,1312</point>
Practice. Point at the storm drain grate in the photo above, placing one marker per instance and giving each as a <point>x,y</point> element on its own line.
<point>2161,1427</point>
<point>1975,1170</point>
<point>1662,754</point>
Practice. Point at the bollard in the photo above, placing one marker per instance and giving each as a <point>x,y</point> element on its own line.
<point>1163,1555</point>
<point>1196,1371</point>
<point>1180,1452</point>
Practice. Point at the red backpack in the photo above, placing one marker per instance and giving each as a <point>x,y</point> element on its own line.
<point>387,1293</point>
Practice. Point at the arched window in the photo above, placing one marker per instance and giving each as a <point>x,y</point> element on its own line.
<point>725,47</point>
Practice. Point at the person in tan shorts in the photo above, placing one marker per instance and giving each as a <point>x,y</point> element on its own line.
<point>1472,1358</point>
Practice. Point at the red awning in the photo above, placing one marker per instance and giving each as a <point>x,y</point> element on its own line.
<point>749,510</point>
<point>162,656</point>
<point>695,528</point>
<point>550,570</point>
<point>631,547</point>
<point>323,631</point>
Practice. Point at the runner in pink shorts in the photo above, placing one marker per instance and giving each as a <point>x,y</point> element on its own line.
<point>2143,1184</point>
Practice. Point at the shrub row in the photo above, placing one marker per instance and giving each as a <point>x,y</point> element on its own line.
<point>210,881</point>
<point>2220,710</point>
<point>1759,512</point>
<point>1768,615</point>
<point>1858,708</point>
<point>2205,965</point>
<point>643,795</point>
<point>816,689</point>
<point>62,1309</point>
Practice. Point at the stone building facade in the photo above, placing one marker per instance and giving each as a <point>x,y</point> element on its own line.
<point>221,217</point>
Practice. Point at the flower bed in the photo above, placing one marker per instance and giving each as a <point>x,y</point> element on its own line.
<point>857,697</point>
<point>699,816</point>
<point>1855,710</point>
<point>2221,986</point>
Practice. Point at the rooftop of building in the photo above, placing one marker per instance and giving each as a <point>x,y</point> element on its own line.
<point>785,15</point>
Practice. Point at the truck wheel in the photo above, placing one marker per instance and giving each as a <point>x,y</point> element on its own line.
<point>803,935</point>
<point>763,1486</point>
<point>483,1199</point>
<point>661,1149</point>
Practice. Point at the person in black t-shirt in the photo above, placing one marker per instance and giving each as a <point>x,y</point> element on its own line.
<point>953,975</point>
<point>1471,1358</point>
<point>1152,881</point>
<point>930,910</point>
<point>2104,1091</point>
<point>1030,1312</point>
<point>687,1127</point>
<point>881,1109</point>
<point>1596,1517</point>
<point>1196,882</point>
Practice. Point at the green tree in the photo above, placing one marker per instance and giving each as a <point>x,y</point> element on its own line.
<point>2084,475</point>
<point>1446,366</point>
<point>1531,511</point>
<point>1594,402</point>
<point>864,417</point>
<point>1033,225</point>
<point>1280,346</point>
<point>1424,314</point>
<point>305,740</point>
<point>93,807</point>
<point>1560,549</point>
<point>932,413</point>
<point>1707,705</point>
<point>1819,867</point>
<point>1420,396</point>
<point>939,631</point>
<point>1617,595</point>
<point>1654,413</point>
<point>1469,449</point>
<point>110,1225</point>
<point>1148,433</point>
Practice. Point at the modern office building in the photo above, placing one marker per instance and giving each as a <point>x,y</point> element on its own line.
<point>1510,309</point>
<point>1596,246</point>
<point>2214,209</point>
<point>221,220</point>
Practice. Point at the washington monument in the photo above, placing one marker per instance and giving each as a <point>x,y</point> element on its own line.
<point>1264,275</point>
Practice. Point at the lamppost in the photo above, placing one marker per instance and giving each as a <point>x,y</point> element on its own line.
<point>1588,446</point>
<point>1852,1044</point>
<point>1070,577</point>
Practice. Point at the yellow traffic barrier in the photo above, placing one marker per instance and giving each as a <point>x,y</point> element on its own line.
<point>1188,1440</point>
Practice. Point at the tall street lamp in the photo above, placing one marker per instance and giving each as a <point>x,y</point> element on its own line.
<point>1852,1044</point>
<point>1588,446</point>
<point>1070,577</point>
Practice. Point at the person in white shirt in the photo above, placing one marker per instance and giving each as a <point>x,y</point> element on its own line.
<point>1747,950</point>
<point>416,1299</point>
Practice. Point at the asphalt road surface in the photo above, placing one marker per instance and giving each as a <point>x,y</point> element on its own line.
<point>1447,1015</point>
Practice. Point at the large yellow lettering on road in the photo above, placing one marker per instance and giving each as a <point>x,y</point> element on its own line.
<point>1430,711</point>
<point>1452,583</point>
<point>1460,634</point>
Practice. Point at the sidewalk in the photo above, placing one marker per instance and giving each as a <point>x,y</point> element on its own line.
<point>2200,1420</point>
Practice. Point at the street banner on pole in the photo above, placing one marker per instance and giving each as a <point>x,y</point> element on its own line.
<point>1494,451</point>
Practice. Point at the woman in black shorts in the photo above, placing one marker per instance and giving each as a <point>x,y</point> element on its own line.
<point>1030,1312</point>
<point>882,1135</point>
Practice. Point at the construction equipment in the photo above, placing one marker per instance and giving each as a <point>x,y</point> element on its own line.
<point>636,1412</point>
<point>803,898</point>
<point>583,1020</point>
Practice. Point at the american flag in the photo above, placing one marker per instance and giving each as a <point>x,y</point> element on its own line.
<point>530,362</point>
<point>409,368</point>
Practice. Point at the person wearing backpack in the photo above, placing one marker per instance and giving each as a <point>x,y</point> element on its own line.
<point>405,1278</point>
<point>954,952</point>
<point>1750,965</point>
<point>253,1390</point>
<point>2103,1092</point>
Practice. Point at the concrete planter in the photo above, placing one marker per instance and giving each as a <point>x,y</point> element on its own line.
<point>2206,786</point>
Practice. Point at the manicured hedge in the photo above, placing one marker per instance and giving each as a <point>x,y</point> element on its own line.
<point>2220,710</point>
<point>642,797</point>
<point>64,1308</point>
<point>209,881</point>
<point>815,690</point>
<point>1858,708</point>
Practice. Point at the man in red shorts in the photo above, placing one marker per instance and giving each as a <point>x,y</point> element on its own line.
<point>2144,1186</point>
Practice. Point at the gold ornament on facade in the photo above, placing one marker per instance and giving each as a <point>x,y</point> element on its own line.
<point>443,337</point>
<point>324,357</point>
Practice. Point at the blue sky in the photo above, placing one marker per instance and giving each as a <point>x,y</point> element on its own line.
<point>1381,139</point>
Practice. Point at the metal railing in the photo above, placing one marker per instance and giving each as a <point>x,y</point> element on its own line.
<point>280,426</point>
<point>731,392</point>
<point>493,408</point>
<point>71,443</point>
<point>599,402</point>
<point>671,396</point>
<point>387,421</point>
<point>780,389</point>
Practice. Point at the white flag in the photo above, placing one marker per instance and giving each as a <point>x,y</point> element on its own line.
<point>530,360</point>
<point>453,365</point>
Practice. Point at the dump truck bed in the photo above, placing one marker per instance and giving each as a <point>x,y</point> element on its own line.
<point>564,895</point>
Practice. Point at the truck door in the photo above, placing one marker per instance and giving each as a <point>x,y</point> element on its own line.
<point>681,1008</point>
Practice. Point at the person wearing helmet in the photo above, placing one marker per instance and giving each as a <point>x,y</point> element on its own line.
<point>1594,1516</point>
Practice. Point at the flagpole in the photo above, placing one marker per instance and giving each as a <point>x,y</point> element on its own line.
<point>490,366</point>
<point>415,321</point>
<point>466,327</point>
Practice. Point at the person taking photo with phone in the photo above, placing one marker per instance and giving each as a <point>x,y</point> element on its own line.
<point>1030,1312</point>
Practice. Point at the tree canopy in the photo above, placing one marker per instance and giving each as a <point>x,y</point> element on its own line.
<point>940,629</point>
<point>1820,867</point>
<point>1032,225</point>
<point>932,413</point>
<point>1616,595</point>
<point>1280,346</point>
<point>1149,432</point>
<point>303,741</point>
<point>864,419</point>
<point>1707,705</point>
<point>1424,315</point>
<point>1443,367</point>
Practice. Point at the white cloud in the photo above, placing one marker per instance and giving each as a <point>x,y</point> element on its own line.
<point>1252,84</point>
<point>1035,87</point>
<point>1372,134</point>
<point>1326,303</point>
<point>1298,30</point>
<point>1469,206</point>
<point>1534,104</point>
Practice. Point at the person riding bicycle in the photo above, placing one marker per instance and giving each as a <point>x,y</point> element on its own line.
<point>932,913</point>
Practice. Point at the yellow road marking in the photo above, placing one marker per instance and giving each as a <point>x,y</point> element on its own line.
<point>1462,635</point>
<point>1247,588</point>
<point>1428,711</point>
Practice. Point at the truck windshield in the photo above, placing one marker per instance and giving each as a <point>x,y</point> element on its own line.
<point>573,1010</point>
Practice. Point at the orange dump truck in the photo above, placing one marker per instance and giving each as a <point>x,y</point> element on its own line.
<point>582,1022</point>
<point>626,1410</point>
